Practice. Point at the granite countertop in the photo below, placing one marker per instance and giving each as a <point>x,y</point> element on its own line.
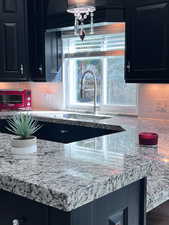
<point>67,176</point>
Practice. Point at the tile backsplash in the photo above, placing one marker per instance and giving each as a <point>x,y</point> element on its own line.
<point>44,95</point>
<point>153,99</point>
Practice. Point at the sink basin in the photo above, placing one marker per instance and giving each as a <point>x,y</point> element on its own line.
<point>84,117</point>
<point>65,133</point>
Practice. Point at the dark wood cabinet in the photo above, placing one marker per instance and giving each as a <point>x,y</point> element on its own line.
<point>22,40</point>
<point>53,56</point>
<point>12,40</point>
<point>125,206</point>
<point>27,53</point>
<point>147,41</point>
<point>36,38</point>
<point>25,211</point>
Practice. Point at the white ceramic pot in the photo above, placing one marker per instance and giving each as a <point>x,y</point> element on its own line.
<point>24,146</point>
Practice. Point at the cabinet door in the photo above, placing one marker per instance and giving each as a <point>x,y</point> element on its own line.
<point>37,18</point>
<point>53,54</point>
<point>25,211</point>
<point>147,42</point>
<point>12,43</point>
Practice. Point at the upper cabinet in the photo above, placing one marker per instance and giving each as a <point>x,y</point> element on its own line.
<point>36,19</point>
<point>147,41</point>
<point>12,40</point>
<point>22,40</point>
<point>25,55</point>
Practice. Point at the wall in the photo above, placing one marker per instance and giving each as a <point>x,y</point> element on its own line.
<point>44,95</point>
<point>153,99</point>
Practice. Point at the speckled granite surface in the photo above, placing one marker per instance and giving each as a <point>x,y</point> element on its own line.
<point>67,176</point>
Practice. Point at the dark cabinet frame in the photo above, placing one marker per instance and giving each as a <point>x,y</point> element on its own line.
<point>36,38</point>
<point>147,41</point>
<point>12,40</point>
<point>23,54</point>
<point>23,40</point>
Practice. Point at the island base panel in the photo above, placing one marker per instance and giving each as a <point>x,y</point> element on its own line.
<point>123,207</point>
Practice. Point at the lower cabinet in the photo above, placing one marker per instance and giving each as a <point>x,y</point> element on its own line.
<point>123,207</point>
<point>15,210</point>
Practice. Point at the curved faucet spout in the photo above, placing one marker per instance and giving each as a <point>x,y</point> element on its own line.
<point>95,88</point>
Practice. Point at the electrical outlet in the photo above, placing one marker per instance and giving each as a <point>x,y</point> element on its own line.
<point>162,106</point>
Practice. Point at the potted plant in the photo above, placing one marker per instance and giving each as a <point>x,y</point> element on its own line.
<point>23,126</point>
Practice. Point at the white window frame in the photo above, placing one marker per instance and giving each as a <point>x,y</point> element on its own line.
<point>87,107</point>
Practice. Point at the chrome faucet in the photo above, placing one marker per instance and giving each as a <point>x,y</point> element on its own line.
<point>95,88</point>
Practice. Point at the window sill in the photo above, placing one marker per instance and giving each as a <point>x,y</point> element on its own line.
<point>104,110</point>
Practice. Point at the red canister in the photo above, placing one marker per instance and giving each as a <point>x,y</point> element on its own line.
<point>146,138</point>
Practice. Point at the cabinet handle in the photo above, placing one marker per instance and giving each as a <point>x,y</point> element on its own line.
<point>64,131</point>
<point>40,68</point>
<point>22,69</point>
<point>128,67</point>
<point>15,222</point>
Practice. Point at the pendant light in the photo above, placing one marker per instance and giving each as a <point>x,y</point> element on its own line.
<point>81,10</point>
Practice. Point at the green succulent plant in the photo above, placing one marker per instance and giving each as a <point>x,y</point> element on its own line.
<point>23,125</point>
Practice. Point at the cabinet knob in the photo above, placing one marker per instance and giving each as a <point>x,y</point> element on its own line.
<point>22,69</point>
<point>64,131</point>
<point>128,67</point>
<point>15,222</point>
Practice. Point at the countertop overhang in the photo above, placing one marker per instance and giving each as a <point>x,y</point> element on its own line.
<point>67,176</point>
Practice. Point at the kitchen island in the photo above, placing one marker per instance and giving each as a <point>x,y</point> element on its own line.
<point>70,177</point>
<point>91,182</point>
<point>127,144</point>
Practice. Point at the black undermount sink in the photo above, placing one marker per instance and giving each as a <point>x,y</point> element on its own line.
<point>65,133</point>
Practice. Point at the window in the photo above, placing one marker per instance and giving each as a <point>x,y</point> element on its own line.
<point>103,55</point>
